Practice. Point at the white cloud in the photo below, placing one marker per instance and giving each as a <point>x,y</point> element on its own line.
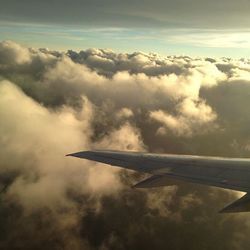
<point>52,103</point>
<point>12,53</point>
<point>193,117</point>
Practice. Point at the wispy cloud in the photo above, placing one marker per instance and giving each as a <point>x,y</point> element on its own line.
<point>213,38</point>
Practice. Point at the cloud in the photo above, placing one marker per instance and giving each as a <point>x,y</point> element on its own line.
<point>35,141</point>
<point>193,117</point>
<point>12,53</point>
<point>213,38</point>
<point>54,103</point>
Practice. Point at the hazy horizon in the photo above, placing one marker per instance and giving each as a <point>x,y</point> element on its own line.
<point>195,28</point>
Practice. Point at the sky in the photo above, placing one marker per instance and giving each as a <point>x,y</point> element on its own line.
<point>196,28</point>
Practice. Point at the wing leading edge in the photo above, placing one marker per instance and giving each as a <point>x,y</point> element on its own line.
<point>229,173</point>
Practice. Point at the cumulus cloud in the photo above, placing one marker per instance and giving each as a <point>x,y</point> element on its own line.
<point>53,103</point>
<point>193,117</point>
<point>12,53</point>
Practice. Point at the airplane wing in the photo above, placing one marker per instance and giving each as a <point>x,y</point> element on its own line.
<point>229,173</point>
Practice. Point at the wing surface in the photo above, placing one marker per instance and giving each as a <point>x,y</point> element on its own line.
<point>230,173</point>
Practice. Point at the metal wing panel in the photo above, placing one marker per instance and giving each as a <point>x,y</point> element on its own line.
<point>231,173</point>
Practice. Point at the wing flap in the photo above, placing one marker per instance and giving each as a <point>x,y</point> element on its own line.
<point>211,181</point>
<point>153,181</point>
<point>163,180</point>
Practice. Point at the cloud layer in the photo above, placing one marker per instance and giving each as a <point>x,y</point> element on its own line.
<point>137,13</point>
<point>54,103</point>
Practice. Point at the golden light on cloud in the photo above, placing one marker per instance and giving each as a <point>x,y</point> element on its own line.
<point>53,103</point>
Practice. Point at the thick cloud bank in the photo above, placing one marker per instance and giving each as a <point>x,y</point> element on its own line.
<point>54,103</point>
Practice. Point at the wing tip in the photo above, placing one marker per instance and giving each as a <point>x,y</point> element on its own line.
<point>69,154</point>
<point>94,151</point>
<point>81,154</point>
<point>239,206</point>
